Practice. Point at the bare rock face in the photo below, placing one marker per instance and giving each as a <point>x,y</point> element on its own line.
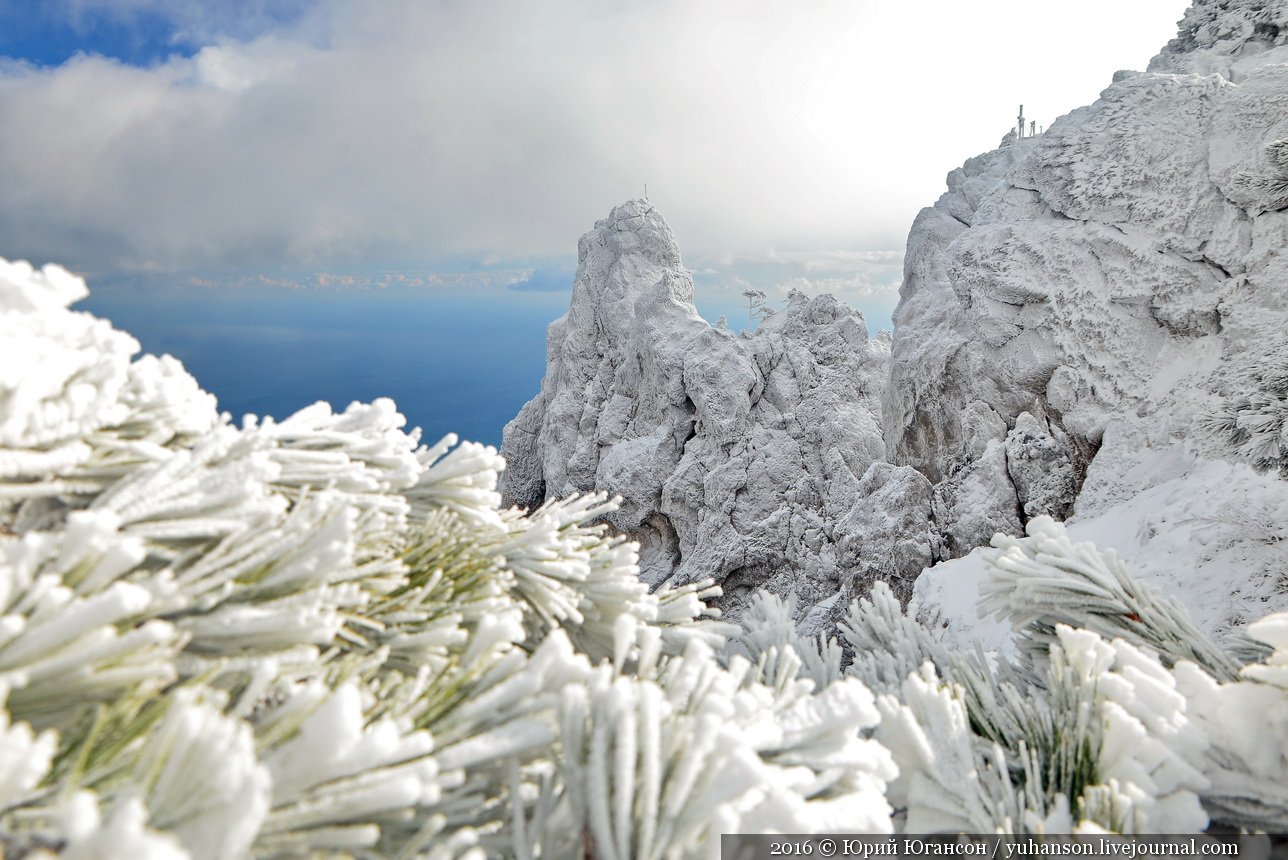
<point>736,456</point>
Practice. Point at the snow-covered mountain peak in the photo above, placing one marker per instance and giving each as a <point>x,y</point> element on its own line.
<point>634,228</point>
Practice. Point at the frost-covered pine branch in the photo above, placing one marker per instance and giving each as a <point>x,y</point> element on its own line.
<point>1254,426</point>
<point>1248,759</point>
<point>1045,580</point>
<point>768,637</point>
<point>316,636</point>
<point>1174,679</point>
<point>1099,739</point>
<point>310,635</point>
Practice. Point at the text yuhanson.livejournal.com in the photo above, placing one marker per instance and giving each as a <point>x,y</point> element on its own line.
<point>763,847</point>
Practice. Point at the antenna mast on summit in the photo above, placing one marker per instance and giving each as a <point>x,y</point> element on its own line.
<point>1020,122</point>
<point>645,190</point>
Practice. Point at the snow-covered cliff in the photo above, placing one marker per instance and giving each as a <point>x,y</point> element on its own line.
<point>745,458</point>
<point>1079,306</point>
<point>1078,312</point>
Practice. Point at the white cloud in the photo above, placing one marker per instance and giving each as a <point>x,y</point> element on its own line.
<point>235,71</point>
<point>857,275</point>
<point>856,288</point>
<point>867,280</point>
<point>408,132</point>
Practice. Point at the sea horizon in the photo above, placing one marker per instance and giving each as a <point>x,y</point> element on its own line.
<point>453,361</point>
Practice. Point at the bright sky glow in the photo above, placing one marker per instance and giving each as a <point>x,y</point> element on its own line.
<point>784,142</point>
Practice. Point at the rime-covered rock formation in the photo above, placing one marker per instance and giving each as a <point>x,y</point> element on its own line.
<point>738,457</point>
<point>1060,274</point>
<point>1078,303</point>
<point>1075,311</point>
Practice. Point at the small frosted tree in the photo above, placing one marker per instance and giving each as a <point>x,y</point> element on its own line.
<point>757,310</point>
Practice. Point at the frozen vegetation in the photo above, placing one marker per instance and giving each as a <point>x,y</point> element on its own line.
<point>319,637</point>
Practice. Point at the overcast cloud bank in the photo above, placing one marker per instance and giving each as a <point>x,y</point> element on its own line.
<point>339,136</point>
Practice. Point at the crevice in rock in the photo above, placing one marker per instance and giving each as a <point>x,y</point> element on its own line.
<point>1019,506</point>
<point>659,549</point>
<point>1224,273</point>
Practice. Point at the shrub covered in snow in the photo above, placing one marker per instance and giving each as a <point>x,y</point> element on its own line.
<point>1254,426</point>
<point>317,636</point>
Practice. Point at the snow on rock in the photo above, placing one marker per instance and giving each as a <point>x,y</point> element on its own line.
<point>1208,532</point>
<point>1075,309</point>
<point>1037,461</point>
<point>736,456</point>
<point>888,533</point>
<point>976,501</point>
<point>1226,37</point>
<point>1079,303</point>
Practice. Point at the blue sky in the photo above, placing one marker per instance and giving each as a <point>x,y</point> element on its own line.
<point>136,32</point>
<point>41,35</point>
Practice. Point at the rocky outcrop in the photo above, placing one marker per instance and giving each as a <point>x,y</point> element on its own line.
<point>1074,309</point>
<point>738,457</point>
<point>1226,37</point>
<point>1050,289</point>
<point>1077,304</point>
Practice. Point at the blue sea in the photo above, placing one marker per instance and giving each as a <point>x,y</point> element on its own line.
<point>453,362</point>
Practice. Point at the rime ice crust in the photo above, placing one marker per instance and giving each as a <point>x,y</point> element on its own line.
<point>1072,308</point>
<point>1078,302</point>
<point>1225,37</point>
<point>736,457</point>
